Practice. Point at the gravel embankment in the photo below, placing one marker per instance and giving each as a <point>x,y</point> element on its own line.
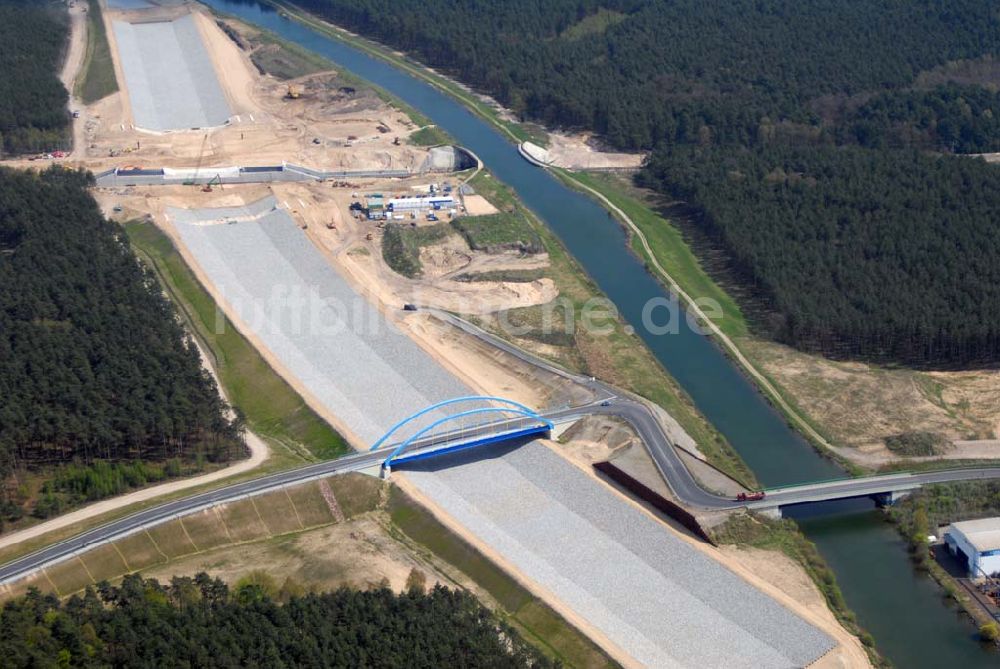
<point>665,602</point>
<point>169,75</point>
<point>650,592</point>
<point>335,342</point>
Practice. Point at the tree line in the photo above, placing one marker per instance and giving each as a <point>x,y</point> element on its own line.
<point>33,43</point>
<point>868,250</point>
<point>677,71</point>
<point>94,364</point>
<point>884,255</point>
<point>200,622</point>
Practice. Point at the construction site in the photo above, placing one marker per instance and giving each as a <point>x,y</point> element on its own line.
<point>280,193</point>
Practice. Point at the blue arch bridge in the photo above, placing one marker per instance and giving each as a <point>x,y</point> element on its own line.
<point>458,424</point>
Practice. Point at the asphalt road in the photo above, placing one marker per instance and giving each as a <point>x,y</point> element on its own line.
<point>682,483</point>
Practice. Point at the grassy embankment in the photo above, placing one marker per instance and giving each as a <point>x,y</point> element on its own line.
<point>98,79</point>
<point>670,250</point>
<point>618,357</point>
<point>272,408</point>
<point>430,135</point>
<point>784,536</point>
<point>290,526</point>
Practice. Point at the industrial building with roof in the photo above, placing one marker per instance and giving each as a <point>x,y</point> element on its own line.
<point>978,542</point>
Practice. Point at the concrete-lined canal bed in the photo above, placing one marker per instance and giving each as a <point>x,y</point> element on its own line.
<point>171,81</point>
<point>643,587</point>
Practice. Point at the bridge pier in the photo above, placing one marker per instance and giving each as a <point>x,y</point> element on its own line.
<point>885,499</point>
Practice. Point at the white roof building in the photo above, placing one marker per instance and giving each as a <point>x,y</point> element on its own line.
<point>978,542</point>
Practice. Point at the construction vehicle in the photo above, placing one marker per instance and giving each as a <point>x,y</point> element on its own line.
<point>216,180</point>
<point>294,92</point>
<point>751,496</point>
<point>369,236</point>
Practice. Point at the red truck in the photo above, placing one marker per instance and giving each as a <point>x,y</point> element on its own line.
<point>750,496</point>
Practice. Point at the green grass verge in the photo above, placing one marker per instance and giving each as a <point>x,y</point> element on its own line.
<point>271,407</point>
<point>783,535</point>
<point>98,79</point>
<point>536,620</point>
<point>430,135</point>
<point>499,232</point>
<point>617,357</point>
<point>401,245</point>
<point>668,246</point>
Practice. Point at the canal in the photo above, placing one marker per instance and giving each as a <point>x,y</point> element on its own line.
<point>910,621</point>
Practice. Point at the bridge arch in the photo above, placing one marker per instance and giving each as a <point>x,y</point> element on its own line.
<point>509,408</point>
<point>454,400</point>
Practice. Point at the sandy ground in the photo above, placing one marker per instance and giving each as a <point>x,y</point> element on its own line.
<point>477,205</point>
<point>71,68</point>
<point>847,654</point>
<point>859,405</point>
<point>366,553</point>
<point>583,151</point>
<point>781,573</point>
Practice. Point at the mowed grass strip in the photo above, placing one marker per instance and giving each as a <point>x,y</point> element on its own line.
<point>277,512</point>
<point>172,540</point>
<point>546,628</point>
<point>68,577</point>
<point>104,562</point>
<point>139,551</point>
<point>243,521</point>
<point>98,79</point>
<point>310,505</point>
<point>356,493</point>
<point>271,407</point>
<point>206,529</point>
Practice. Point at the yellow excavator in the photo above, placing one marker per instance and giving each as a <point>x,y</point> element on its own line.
<point>294,92</point>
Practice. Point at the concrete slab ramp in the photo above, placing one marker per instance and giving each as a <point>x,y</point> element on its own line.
<point>171,82</point>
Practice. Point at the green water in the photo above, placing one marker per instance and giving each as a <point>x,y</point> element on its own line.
<point>910,622</point>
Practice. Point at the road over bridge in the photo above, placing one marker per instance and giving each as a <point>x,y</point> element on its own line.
<point>677,476</point>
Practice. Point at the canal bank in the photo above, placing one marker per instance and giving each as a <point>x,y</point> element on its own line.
<point>776,453</point>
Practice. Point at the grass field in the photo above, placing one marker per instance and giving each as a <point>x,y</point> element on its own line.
<point>98,79</point>
<point>401,245</point>
<point>499,232</point>
<point>430,135</point>
<point>272,408</point>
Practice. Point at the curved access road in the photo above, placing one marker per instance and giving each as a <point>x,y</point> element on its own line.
<point>680,480</point>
